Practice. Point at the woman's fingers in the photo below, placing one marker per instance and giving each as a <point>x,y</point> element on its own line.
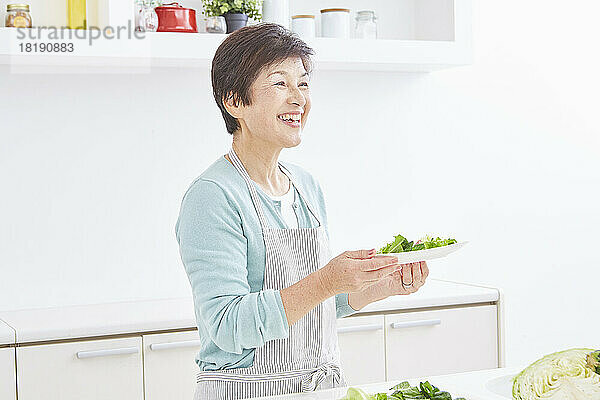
<point>360,254</point>
<point>416,274</point>
<point>407,276</point>
<point>370,267</point>
<point>377,274</point>
<point>424,269</point>
<point>378,262</point>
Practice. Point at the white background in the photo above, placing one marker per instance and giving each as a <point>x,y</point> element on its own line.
<point>503,153</point>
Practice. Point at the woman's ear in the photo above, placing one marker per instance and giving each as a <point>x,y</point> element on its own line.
<point>232,106</point>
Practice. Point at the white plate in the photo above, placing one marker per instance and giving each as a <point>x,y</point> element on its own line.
<point>502,386</point>
<point>426,254</point>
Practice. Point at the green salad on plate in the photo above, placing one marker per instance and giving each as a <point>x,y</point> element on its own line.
<point>400,244</point>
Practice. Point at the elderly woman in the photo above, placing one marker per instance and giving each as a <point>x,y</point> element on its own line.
<point>253,237</point>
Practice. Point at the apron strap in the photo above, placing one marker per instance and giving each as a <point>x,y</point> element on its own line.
<point>311,382</point>
<point>237,163</point>
<point>310,379</point>
<point>310,209</point>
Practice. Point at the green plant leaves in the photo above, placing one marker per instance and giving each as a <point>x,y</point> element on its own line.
<point>215,8</point>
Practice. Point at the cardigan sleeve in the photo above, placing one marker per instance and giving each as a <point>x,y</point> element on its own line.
<point>213,249</point>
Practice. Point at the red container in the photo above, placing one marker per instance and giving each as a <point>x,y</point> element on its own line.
<point>174,18</point>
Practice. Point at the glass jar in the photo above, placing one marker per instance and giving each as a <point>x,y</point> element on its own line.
<point>17,16</point>
<point>147,19</point>
<point>216,25</point>
<point>366,25</point>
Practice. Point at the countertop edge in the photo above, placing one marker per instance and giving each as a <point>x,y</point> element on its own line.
<point>6,340</point>
<point>177,313</point>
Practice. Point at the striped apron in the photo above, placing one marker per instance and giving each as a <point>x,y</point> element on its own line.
<point>309,358</point>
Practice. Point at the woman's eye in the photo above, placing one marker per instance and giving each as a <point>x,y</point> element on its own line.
<point>280,83</point>
<point>305,84</point>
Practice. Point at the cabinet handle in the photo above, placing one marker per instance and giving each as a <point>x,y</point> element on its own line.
<point>360,328</point>
<point>108,352</point>
<point>175,345</point>
<point>412,324</point>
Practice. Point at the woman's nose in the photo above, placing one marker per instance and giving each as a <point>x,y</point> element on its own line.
<point>296,97</point>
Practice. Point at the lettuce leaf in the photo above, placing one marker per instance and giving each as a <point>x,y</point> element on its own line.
<point>400,244</point>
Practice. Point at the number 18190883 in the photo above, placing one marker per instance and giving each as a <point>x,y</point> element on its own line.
<point>46,47</point>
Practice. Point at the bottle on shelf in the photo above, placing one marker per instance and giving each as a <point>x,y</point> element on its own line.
<point>76,14</point>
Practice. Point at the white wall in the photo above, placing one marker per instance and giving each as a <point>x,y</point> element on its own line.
<point>503,153</point>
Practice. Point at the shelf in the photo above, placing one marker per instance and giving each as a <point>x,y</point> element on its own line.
<point>197,50</point>
<point>191,50</point>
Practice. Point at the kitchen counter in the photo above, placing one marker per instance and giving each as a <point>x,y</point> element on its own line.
<point>436,293</point>
<point>490,384</point>
<point>44,324</point>
<point>47,324</point>
<point>7,334</point>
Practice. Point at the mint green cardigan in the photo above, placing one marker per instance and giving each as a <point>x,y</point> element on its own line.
<point>223,252</point>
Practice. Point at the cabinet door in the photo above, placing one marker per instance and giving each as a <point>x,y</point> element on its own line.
<point>8,381</point>
<point>98,369</point>
<point>169,366</point>
<point>439,342</point>
<point>362,349</point>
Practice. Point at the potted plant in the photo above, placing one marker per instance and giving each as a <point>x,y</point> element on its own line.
<point>236,12</point>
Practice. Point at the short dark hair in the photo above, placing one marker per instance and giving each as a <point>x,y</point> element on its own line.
<point>241,57</point>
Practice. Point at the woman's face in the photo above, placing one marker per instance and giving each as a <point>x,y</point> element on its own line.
<point>280,104</point>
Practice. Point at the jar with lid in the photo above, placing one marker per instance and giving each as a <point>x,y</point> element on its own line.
<point>366,25</point>
<point>335,23</point>
<point>17,16</point>
<point>276,11</point>
<point>304,25</point>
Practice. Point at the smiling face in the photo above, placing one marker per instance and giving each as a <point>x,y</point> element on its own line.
<point>280,105</point>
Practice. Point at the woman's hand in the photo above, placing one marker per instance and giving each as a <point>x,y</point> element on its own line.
<point>405,281</point>
<point>397,283</point>
<point>353,271</point>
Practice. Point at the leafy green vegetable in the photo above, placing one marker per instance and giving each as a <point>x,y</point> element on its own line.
<point>401,385</point>
<point>400,244</point>
<point>403,391</point>
<point>569,374</point>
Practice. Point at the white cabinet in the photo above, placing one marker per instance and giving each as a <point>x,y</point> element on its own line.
<point>169,367</point>
<point>8,380</point>
<point>97,369</point>
<point>444,328</point>
<point>440,342</point>
<point>362,348</point>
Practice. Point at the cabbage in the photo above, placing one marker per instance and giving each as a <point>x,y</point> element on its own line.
<point>593,361</point>
<point>566,375</point>
<point>357,394</point>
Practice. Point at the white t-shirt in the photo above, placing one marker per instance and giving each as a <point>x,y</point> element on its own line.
<point>287,207</point>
